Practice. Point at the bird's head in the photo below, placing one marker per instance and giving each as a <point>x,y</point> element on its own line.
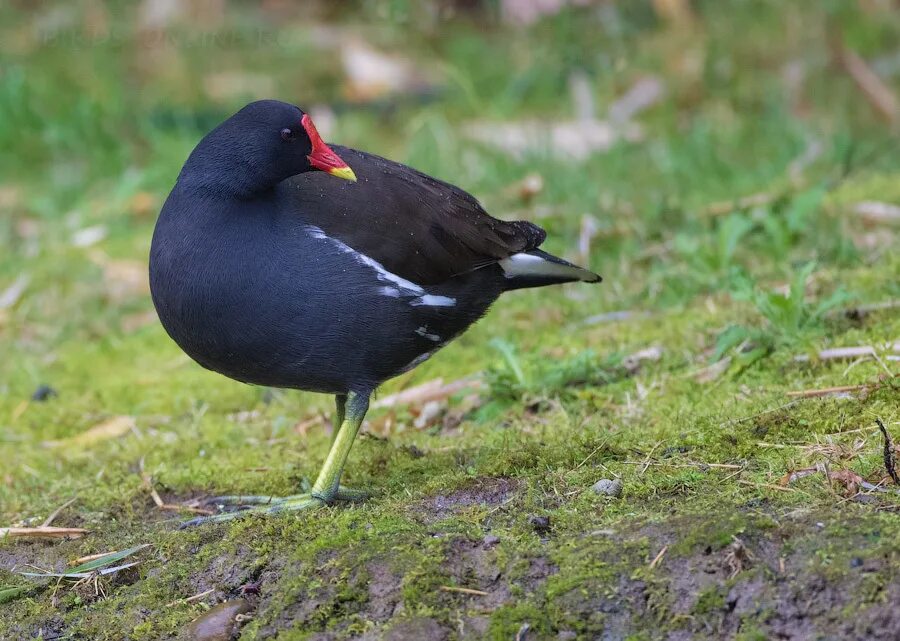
<point>262,144</point>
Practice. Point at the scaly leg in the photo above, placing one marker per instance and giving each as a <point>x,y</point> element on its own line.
<point>351,409</point>
<point>340,411</point>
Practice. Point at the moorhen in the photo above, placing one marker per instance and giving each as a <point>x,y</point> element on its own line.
<point>267,269</point>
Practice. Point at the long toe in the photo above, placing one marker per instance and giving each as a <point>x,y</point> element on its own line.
<point>273,506</point>
<point>350,495</point>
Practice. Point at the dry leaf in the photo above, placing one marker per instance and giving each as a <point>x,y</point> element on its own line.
<point>89,236</point>
<point>792,476</point>
<point>674,11</point>
<point>372,74</point>
<point>429,391</point>
<point>228,85</point>
<point>644,93</point>
<point>713,372</point>
<point>526,12</point>
<point>143,203</point>
<point>111,428</point>
<point>133,322</point>
<point>565,140</point>
<point>11,295</point>
<point>849,479</point>
<point>125,279</point>
<point>632,363</point>
<point>873,211</point>
<point>430,414</point>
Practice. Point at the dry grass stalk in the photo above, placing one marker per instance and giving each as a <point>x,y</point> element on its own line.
<point>738,557</point>
<point>450,588</point>
<point>43,532</point>
<point>57,511</point>
<point>879,95</point>
<point>191,599</point>
<point>877,212</point>
<point>659,557</point>
<point>838,353</point>
<point>722,207</point>
<point>841,389</point>
<point>434,390</point>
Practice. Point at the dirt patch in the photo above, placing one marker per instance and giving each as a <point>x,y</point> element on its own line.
<point>487,492</point>
<point>794,580</point>
<point>417,629</point>
<point>471,565</point>
<point>384,591</point>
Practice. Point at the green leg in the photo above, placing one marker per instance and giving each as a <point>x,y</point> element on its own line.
<point>340,412</point>
<point>327,485</point>
<point>351,409</point>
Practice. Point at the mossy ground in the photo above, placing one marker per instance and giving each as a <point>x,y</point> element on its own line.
<point>97,129</point>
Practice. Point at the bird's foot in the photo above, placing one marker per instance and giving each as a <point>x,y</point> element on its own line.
<point>257,504</point>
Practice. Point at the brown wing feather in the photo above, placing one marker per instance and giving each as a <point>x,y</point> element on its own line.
<point>418,227</point>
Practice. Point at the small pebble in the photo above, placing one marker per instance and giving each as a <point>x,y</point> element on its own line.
<point>490,540</point>
<point>856,562</point>
<point>609,487</point>
<point>43,393</point>
<point>220,623</point>
<point>541,524</point>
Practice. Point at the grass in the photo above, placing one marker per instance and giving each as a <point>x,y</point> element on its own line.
<point>99,122</point>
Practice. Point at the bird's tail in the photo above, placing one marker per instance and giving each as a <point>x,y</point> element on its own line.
<point>537,268</point>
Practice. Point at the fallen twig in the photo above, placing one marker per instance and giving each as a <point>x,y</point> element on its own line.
<point>877,93</point>
<point>162,505</point>
<point>829,391</point>
<point>648,460</point>
<point>43,532</point>
<point>769,486</point>
<point>701,465</point>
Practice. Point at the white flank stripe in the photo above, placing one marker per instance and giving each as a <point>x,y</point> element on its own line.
<point>433,301</point>
<point>402,286</point>
<point>383,274</point>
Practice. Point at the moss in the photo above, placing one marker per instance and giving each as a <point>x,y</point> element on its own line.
<point>701,461</point>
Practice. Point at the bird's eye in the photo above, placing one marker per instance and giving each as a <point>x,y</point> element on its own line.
<point>287,134</point>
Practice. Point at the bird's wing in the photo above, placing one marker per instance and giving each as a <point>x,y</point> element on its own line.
<point>418,227</point>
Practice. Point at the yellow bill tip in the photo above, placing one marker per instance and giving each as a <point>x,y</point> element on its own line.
<point>343,172</point>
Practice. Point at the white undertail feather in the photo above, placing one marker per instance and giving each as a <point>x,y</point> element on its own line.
<point>523,265</point>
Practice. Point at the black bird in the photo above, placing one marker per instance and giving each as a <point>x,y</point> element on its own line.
<point>266,269</point>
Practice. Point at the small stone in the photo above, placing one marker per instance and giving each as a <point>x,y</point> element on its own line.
<point>414,451</point>
<point>608,487</point>
<point>541,524</point>
<point>220,623</point>
<point>856,562</point>
<point>490,540</point>
<point>43,393</point>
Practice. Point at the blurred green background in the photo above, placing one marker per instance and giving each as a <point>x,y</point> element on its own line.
<point>731,168</point>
